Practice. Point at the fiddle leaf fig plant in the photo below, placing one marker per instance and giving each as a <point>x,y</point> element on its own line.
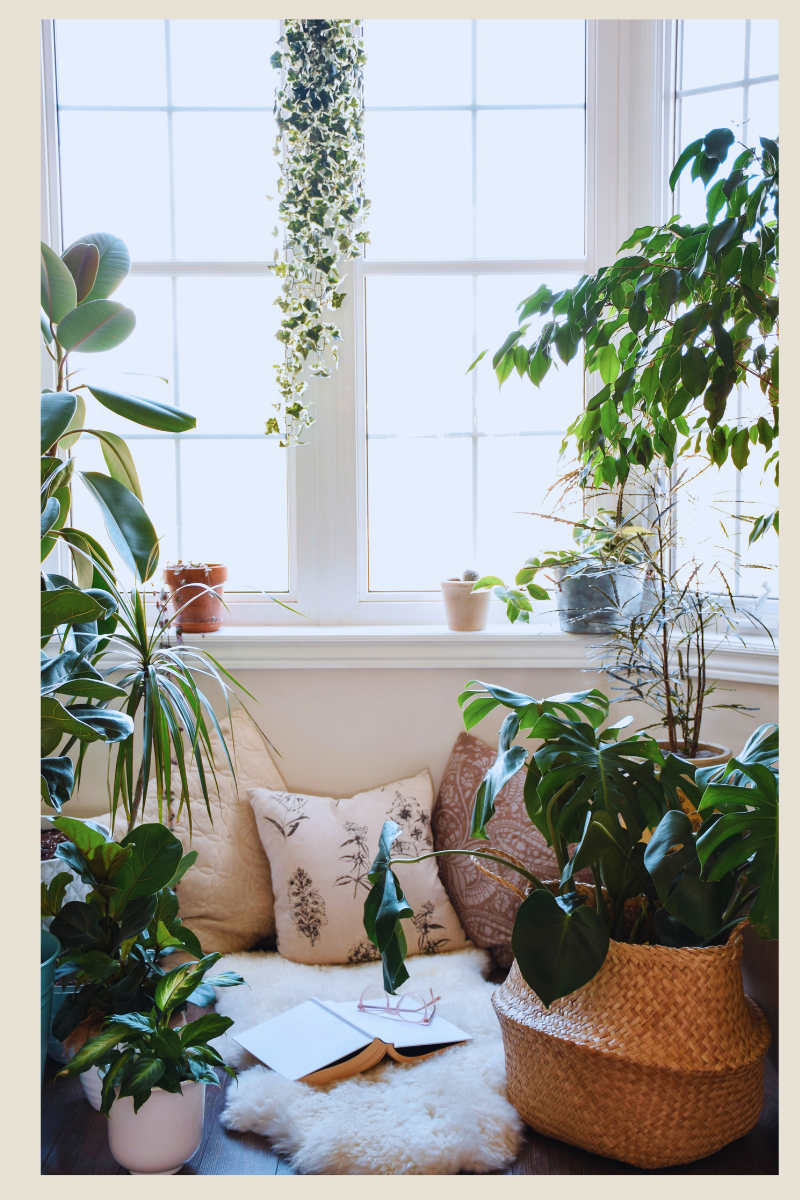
<point>319,110</point>
<point>671,328</point>
<point>675,861</point>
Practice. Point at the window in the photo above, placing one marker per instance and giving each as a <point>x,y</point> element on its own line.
<point>728,76</point>
<point>167,141</point>
<point>500,154</point>
<point>466,221</point>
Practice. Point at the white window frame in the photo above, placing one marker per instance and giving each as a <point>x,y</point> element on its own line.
<point>630,137</point>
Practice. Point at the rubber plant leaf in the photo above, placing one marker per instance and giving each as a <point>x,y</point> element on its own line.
<point>127,523</point>
<point>113,267</point>
<point>59,296</point>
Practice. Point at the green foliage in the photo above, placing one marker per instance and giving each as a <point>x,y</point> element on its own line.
<point>115,940</point>
<point>319,110</point>
<point>602,540</point>
<point>593,797</point>
<point>672,327</point>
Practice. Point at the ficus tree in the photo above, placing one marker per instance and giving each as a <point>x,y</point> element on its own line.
<point>671,327</point>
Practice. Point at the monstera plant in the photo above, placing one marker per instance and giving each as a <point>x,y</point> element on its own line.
<point>679,856</point>
<point>671,328</point>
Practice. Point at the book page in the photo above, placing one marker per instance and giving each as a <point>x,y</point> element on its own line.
<point>303,1040</point>
<point>394,1031</point>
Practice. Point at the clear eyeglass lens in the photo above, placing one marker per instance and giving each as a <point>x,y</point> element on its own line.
<point>413,1007</point>
<point>375,998</point>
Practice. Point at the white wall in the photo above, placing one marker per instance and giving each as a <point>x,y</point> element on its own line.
<point>340,731</point>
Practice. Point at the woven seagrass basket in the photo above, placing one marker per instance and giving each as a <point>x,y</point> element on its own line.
<point>658,1060</point>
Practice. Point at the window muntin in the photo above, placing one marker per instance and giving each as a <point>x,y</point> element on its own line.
<point>727,76</point>
<point>167,142</point>
<point>452,465</point>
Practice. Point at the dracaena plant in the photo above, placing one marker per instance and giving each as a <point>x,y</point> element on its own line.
<point>115,940</point>
<point>137,1052</point>
<point>711,860</point>
<point>671,328</point>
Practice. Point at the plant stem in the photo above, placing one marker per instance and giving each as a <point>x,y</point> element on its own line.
<point>599,899</point>
<point>137,799</point>
<point>537,883</point>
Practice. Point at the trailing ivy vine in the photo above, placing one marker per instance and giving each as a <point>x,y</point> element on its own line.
<point>319,109</point>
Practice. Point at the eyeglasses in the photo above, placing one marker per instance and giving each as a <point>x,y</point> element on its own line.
<point>408,1007</point>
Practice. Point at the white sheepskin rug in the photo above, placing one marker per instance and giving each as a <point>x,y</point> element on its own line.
<point>441,1116</point>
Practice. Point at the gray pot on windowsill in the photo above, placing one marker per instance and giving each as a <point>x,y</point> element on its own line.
<point>598,599</point>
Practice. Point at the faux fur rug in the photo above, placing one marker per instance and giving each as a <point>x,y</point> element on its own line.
<point>438,1117</point>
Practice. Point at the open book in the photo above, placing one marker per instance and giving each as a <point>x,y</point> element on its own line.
<point>323,1040</point>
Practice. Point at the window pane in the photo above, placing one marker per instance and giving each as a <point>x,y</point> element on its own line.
<point>234,510</point>
<point>417,383</point>
<point>111,62</point>
<point>759,563</point>
<point>223,63</point>
<point>763,48</point>
<point>713,52</point>
<point>514,475</point>
<point>420,512</point>
<point>226,350</point>
<point>419,179</point>
<point>699,114</point>
<point>531,62</point>
<point>155,465</point>
<point>526,210</point>
<point>763,114</point>
<point>115,177</point>
<point>148,353</point>
<point>518,405</point>
<point>224,170</point>
<point>417,62</point>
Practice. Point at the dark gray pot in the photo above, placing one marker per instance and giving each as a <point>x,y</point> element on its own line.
<point>598,600</point>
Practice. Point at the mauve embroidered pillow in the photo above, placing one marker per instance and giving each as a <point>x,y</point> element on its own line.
<point>485,908</point>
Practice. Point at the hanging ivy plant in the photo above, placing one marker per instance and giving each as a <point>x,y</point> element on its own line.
<point>319,109</point>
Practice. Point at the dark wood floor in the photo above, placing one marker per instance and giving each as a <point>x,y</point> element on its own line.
<point>75,1142</point>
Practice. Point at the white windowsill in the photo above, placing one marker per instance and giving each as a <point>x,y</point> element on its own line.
<point>259,647</point>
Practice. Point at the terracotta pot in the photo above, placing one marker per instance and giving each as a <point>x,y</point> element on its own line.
<point>203,614</point>
<point>709,754</point>
<point>656,1061</point>
<point>466,611</point>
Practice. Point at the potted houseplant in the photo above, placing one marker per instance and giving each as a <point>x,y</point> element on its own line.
<point>196,591</point>
<point>599,583</point>
<point>114,941</point>
<point>154,1076</point>
<point>671,329</point>
<point>466,609</point>
<point>632,985</point>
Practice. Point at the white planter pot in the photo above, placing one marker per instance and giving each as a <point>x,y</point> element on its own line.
<point>92,1086</point>
<point>163,1135</point>
<point>466,611</point>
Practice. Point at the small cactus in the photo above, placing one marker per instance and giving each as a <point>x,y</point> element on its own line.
<point>470,576</point>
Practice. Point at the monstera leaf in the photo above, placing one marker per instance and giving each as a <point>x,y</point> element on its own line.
<point>745,836</point>
<point>508,762</point>
<point>672,858</point>
<point>383,909</point>
<point>557,951</point>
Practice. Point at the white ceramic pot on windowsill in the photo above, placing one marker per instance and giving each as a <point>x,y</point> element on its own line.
<point>466,611</point>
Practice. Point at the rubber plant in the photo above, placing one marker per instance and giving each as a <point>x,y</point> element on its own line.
<point>77,317</point>
<point>671,328</point>
<point>114,943</point>
<point>319,110</point>
<point>710,864</point>
<point>94,615</point>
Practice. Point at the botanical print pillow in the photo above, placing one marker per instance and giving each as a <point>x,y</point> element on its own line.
<point>320,852</point>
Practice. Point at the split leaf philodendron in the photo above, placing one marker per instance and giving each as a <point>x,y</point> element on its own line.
<point>711,861</point>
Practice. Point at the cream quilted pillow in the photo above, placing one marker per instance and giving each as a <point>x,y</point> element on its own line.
<point>226,897</point>
<point>320,852</point>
